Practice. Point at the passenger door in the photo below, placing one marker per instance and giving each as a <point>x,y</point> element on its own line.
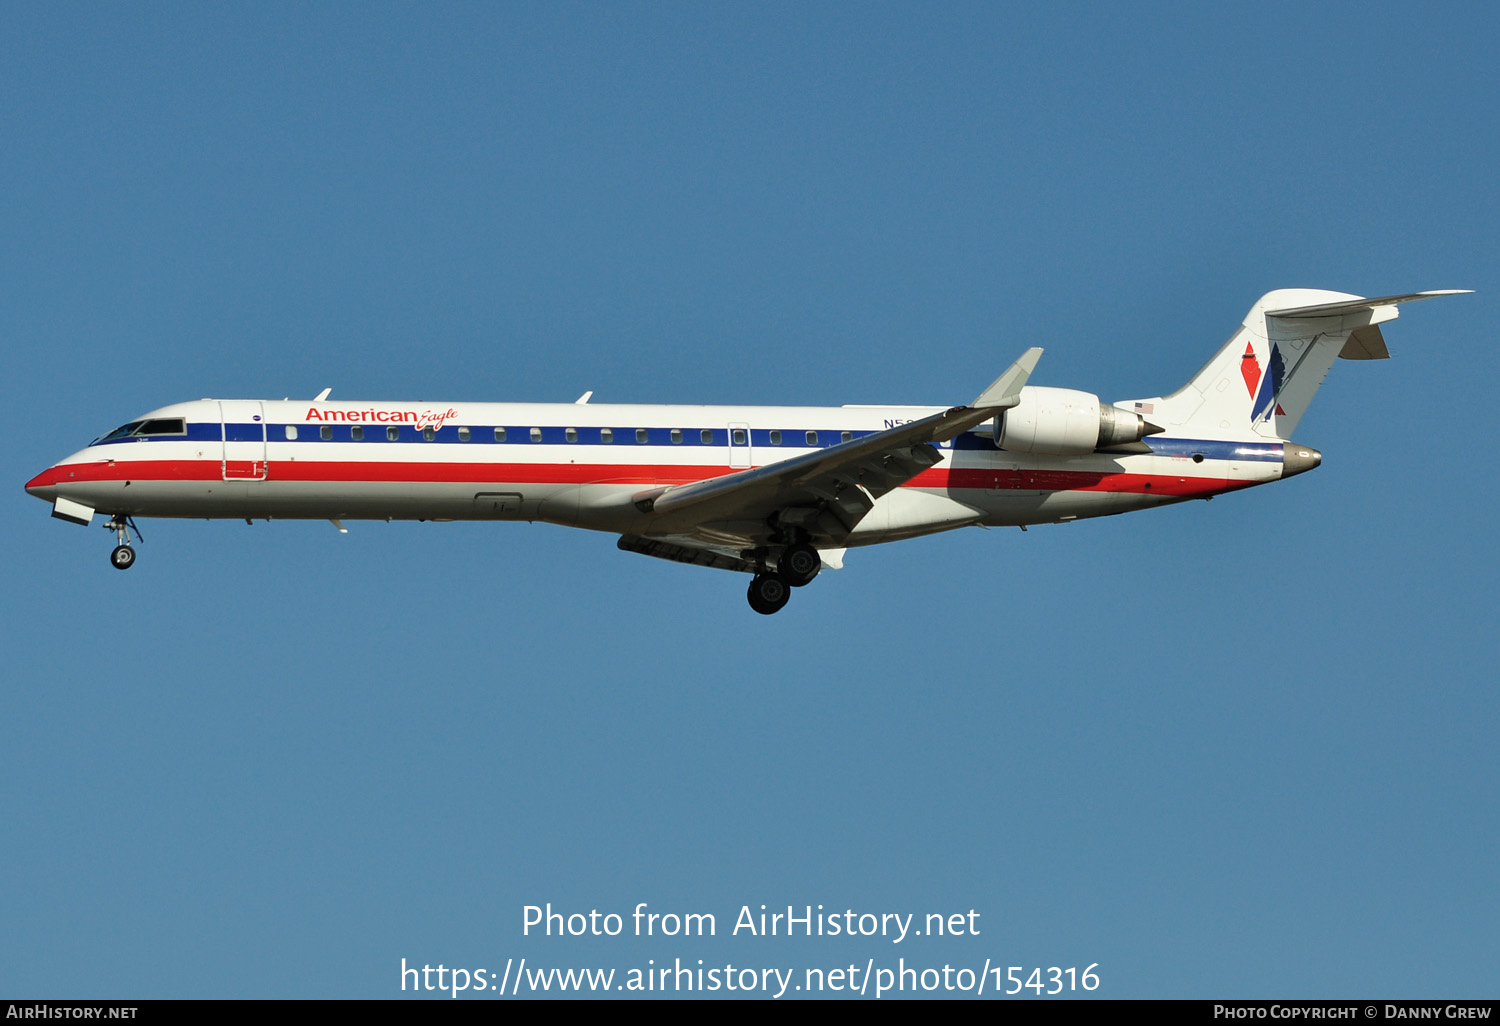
<point>243,428</point>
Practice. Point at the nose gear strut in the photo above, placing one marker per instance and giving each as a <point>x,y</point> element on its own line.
<point>123,556</point>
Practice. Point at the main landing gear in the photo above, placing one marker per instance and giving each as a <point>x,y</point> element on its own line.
<point>769,592</point>
<point>798,565</point>
<point>123,557</point>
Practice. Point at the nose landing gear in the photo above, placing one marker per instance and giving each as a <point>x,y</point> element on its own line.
<point>123,556</point>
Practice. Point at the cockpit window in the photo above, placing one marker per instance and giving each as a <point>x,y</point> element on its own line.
<point>143,428</point>
<point>123,431</point>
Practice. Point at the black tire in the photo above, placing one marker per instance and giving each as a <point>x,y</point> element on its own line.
<point>799,564</point>
<point>123,558</point>
<point>768,593</point>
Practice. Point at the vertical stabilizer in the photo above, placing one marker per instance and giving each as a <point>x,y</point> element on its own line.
<point>1266,375</point>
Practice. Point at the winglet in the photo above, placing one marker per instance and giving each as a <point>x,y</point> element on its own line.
<point>1006,390</point>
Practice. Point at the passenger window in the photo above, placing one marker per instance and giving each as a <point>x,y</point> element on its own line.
<point>812,438</point>
<point>463,434</point>
<point>707,435</point>
<point>641,436</point>
<point>847,436</point>
<point>536,434</point>
<point>775,437</point>
<point>392,433</point>
<point>291,432</point>
<point>739,436</point>
<point>326,433</point>
<point>677,436</point>
<point>357,433</point>
<point>571,434</point>
<point>499,434</point>
<point>428,434</point>
<point>606,435</point>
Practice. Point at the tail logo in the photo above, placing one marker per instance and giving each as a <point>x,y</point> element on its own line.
<point>1250,369</point>
<point>1270,381</point>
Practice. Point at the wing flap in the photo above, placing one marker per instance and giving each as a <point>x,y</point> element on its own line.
<point>684,553</point>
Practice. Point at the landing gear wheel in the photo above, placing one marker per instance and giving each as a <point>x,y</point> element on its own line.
<point>768,593</point>
<point>799,564</point>
<point>123,558</point>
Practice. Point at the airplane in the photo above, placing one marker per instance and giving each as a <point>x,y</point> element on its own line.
<point>776,492</point>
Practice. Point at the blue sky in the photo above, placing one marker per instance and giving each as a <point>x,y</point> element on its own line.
<point>1234,749</point>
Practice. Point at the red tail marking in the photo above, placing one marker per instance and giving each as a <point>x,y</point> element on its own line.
<point>1250,369</point>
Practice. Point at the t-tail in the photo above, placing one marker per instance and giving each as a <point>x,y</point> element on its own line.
<point>1265,377</point>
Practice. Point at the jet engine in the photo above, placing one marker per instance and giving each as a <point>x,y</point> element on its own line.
<point>1067,422</point>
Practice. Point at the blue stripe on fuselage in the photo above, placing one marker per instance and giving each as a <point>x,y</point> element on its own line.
<point>791,438</point>
<point>1246,452</point>
<point>1240,452</point>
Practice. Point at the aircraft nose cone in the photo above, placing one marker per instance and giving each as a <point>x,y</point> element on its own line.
<point>42,483</point>
<point>1297,459</point>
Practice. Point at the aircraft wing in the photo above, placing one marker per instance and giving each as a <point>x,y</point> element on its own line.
<point>844,479</point>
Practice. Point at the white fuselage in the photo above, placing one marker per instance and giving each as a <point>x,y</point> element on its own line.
<point>585,465</point>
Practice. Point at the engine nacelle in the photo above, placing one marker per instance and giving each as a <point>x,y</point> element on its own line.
<point>1066,422</point>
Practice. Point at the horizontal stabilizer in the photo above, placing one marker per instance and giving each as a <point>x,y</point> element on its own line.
<point>1350,306</point>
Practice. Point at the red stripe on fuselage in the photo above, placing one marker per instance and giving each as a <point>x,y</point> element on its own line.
<point>311,472</point>
<point>976,479</point>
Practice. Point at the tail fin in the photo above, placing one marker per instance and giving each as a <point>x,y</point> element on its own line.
<point>1265,377</point>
